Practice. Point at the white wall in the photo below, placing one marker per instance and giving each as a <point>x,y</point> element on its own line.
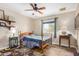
<point>23,24</point>
<point>64,21</point>
<point>77,30</point>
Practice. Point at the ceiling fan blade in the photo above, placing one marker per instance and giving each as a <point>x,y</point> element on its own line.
<point>32,5</point>
<point>42,8</point>
<point>40,12</point>
<point>28,10</point>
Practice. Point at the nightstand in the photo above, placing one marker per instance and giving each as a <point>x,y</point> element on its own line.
<point>13,42</point>
<point>61,37</point>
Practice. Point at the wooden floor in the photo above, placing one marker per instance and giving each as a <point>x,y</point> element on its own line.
<point>56,50</point>
<point>53,50</point>
<point>71,49</point>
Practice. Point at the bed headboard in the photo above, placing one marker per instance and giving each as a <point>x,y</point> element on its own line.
<point>25,33</point>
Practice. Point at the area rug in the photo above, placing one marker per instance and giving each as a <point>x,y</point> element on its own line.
<point>49,51</point>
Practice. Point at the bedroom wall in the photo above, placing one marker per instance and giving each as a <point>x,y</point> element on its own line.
<point>77,31</point>
<point>23,24</point>
<point>65,20</point>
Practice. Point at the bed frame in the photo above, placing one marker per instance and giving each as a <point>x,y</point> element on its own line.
<point>48,41</point>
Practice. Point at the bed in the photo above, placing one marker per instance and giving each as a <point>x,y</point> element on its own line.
<point>33,40</point>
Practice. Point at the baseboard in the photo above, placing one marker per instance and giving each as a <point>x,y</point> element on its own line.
<point>64,45</point>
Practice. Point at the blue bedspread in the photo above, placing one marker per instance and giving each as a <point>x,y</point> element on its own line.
<point>31,42</point>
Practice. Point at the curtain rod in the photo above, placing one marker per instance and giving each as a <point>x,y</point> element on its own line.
<point>50,18</point>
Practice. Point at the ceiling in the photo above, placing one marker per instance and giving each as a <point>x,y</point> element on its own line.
<point>51,8</point>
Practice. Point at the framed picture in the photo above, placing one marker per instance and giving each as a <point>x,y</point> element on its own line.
<point>6,17</point>
<point>10,17</point>
<point>2,16</point>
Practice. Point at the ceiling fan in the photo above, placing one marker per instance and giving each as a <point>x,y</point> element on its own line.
<point>35,8</point>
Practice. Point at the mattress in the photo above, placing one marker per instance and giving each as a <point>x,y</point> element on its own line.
<point>37,37</point>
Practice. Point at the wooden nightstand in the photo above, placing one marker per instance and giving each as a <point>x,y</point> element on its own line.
<point>64,37</point>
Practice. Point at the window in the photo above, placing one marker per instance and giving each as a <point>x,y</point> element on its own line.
<point>48,28</point>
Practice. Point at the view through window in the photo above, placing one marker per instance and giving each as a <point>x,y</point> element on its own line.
<point>48,28</point>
